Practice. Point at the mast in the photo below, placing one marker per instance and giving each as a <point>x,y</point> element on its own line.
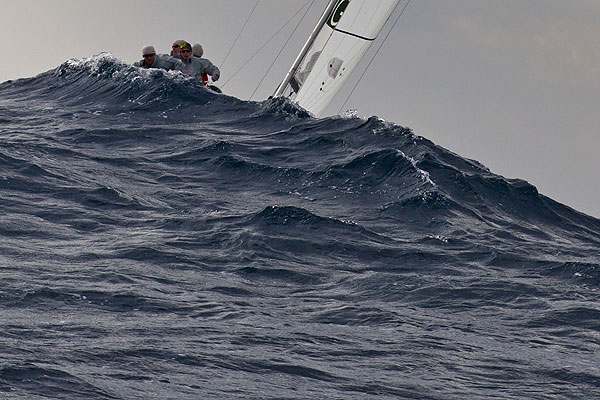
<point>309,42</point>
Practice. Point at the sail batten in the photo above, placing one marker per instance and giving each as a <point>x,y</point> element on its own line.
<point>355,35</point>
<point>335,47</point>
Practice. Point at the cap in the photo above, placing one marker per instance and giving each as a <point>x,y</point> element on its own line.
<point>148,51</point>
<point>178,43</point>
<point>186,46</point>
<point>197,50</point>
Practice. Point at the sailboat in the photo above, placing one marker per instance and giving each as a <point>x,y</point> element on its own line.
<point>336,45</point>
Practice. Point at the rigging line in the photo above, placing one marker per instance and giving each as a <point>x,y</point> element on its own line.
<point>375,55</point>
<point>283,47</point>
<point>267,42</point>
<point>239,34</point>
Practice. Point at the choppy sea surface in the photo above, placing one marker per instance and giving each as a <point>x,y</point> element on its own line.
<point>162,241</point>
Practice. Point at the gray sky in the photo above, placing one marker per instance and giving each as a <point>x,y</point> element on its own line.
<point>514,84</point>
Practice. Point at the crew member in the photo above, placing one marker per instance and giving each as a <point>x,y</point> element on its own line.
<point>163,61</point>
<point>175,47</point>
<point>195,67</point>
<point>197,50</point>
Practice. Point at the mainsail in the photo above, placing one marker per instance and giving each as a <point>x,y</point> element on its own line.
<point>344,33</point>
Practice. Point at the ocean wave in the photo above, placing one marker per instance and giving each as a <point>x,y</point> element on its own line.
<point>160,239</point>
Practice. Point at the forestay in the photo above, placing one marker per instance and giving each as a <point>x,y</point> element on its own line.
<point>344,33</point>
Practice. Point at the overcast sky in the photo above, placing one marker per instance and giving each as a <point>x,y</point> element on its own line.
<point>514,84</point>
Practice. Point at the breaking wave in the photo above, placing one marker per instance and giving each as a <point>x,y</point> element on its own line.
<point>160,239</point>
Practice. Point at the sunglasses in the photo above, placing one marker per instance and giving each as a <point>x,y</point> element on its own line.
<point>148,55</point>
<point>186,51</point>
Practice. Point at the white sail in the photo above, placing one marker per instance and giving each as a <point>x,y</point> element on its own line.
<point>341,38</point>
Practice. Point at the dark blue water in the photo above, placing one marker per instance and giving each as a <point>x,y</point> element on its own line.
<point>158,240</point>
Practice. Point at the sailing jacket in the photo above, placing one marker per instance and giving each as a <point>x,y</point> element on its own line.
<point>195,66</point>
<point>163,61</point>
